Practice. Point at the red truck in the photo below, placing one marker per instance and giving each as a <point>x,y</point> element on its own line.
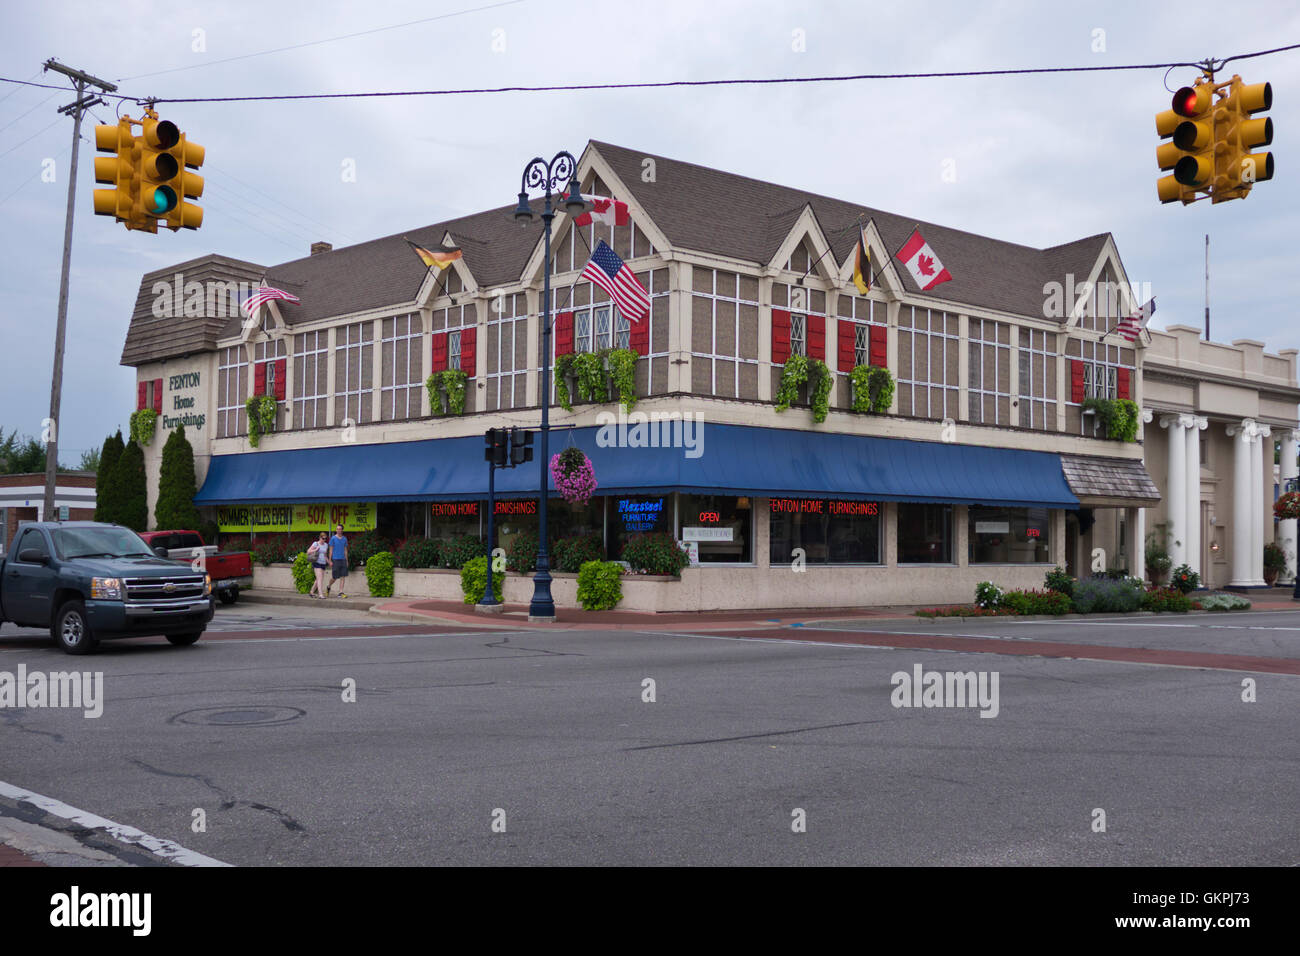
<point>228,571</point>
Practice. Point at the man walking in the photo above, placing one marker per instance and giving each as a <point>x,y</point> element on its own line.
<point>339,556</point>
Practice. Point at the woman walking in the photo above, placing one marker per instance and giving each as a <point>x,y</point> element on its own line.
<point>320,561</point>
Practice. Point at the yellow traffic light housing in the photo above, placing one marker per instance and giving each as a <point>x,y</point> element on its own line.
<point>1211,133</point>
<point>1189,125</point>
<point>121,169</point>
<point>150,174</point>
<point>1237,169</point>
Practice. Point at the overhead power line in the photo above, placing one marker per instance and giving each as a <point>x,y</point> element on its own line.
<point>668,84</point>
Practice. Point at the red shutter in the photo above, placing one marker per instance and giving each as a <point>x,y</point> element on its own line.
<point>259,378</point>
<point>563,333</point>
<point>638,337</point>
<point>1124,382</point>
<point>281,378</point>
<point>439,352</point>
<point>847,352</point>
<point>817,337</point>
<point>468,337</point>
<point>1076,381</point>
<point>157,395</point>
<point>878,346</point>
<point>141,390</point>
<point>780,336</point>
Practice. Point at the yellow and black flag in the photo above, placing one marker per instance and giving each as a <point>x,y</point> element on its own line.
<point>862,264</point>
<point>436,260</point>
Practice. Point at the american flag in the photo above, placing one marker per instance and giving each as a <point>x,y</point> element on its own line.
<point>265,294</point>
<point>611,273</point>
<point>1130,325</point>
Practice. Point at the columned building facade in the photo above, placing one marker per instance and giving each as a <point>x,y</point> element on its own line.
<point>1227,414</point>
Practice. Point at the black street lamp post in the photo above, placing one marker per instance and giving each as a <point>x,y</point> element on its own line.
<point>539,174</point>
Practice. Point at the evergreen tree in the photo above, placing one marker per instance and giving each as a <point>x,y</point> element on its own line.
<point>128,482</point>
<point>177,486</point>
<point>106,502</point>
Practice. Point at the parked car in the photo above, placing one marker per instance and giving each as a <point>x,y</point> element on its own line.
<point>89,582</point>
<point>229,571</point>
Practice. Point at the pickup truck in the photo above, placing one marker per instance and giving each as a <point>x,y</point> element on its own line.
<point>229,572</point>
<point>89,582</point>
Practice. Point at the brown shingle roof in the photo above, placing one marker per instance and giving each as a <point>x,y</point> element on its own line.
<point>698,208</point>
<point>711,211</point>
<point>1092,478</point>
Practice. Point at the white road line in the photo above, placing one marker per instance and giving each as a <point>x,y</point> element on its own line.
<point>166,849</point>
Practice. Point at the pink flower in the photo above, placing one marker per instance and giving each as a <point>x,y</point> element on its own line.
<point>574,477</point>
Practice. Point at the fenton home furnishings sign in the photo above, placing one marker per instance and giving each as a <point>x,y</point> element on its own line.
<point>184,403</point>
<point>354,516</point>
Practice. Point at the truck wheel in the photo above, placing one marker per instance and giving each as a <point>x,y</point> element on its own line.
<point>183,640</point>
<point>72,629</point>
<point>230,595</point>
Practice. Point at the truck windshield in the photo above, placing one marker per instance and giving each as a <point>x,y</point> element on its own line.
<point>99,542</point>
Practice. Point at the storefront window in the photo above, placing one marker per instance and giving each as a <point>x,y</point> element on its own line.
<point>721,525</point>
<point>924,534</point>
<point>828,530</point>
<point>398,520</point>
<point>451,519</point>
<point>1009,535</point>
<point>636,514</point>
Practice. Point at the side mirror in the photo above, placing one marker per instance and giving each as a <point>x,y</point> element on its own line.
<point>160,551</point>
<point>33,556</point>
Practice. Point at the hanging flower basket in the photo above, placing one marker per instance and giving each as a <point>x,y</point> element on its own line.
<point>1287,506</point>
<point>574,477</point>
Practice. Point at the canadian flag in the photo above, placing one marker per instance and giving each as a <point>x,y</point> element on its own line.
<point>920,260</point>
<point>606,211</point>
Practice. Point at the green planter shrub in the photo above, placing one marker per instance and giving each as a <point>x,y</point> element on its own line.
<point>379,574</point>
<point>473,580</point>
<point>655,553</point>
<point>303,574</point>
<point>459,550</point>
<point>571,553</point>
<point>362,547</point>
<point>522,556</point>
<point>418,553</point>
<point>600,585</point>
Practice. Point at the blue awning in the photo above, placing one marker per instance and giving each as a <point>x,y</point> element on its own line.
<point>727,459</point>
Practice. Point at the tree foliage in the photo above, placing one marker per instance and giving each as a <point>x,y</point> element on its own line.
<point>128,487</point>
<point>176,485</point>
<point>106,505</point>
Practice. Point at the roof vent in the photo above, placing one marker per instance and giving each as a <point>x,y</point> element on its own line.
<point>318,247</point>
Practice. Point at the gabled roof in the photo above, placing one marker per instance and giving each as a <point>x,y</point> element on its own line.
<point>707,210</point>
<point>697,208</point>
<point>151,337</point>
<point>384,272</point>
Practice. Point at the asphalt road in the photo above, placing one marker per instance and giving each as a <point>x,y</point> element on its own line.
<point>455,729</point>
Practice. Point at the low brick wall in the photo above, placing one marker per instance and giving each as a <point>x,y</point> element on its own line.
<point>724,588</point>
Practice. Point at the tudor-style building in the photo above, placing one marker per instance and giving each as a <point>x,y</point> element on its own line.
<point>980,469</point>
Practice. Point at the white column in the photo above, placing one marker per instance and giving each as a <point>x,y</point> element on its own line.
<point>1287,529</point>
<point>1193,521</point>
<point>1137,522</point>
<point>1242,503</point>
<point>1176,488</point>
<point>1262,512</point>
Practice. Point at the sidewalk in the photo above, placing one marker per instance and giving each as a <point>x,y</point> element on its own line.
<point>515,616</point>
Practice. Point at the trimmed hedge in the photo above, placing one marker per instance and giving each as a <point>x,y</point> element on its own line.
<point>655,553</point>
<point>571,553</point>
<point>418,553</point>
<point>379,574</point>
<point>473,580</point>
<point>458,551</point>
<point>599,585</point>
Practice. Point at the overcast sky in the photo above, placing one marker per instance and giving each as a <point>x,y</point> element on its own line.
<point>1038,160</point>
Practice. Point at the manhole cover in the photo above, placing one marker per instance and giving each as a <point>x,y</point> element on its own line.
<point>238,716</point>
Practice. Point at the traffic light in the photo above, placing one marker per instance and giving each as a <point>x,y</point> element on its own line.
<point>521,446</point>
<point>121,169</point>
<point>495,442</point>
<point>1190,153</point>
<point>1236,168</point>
